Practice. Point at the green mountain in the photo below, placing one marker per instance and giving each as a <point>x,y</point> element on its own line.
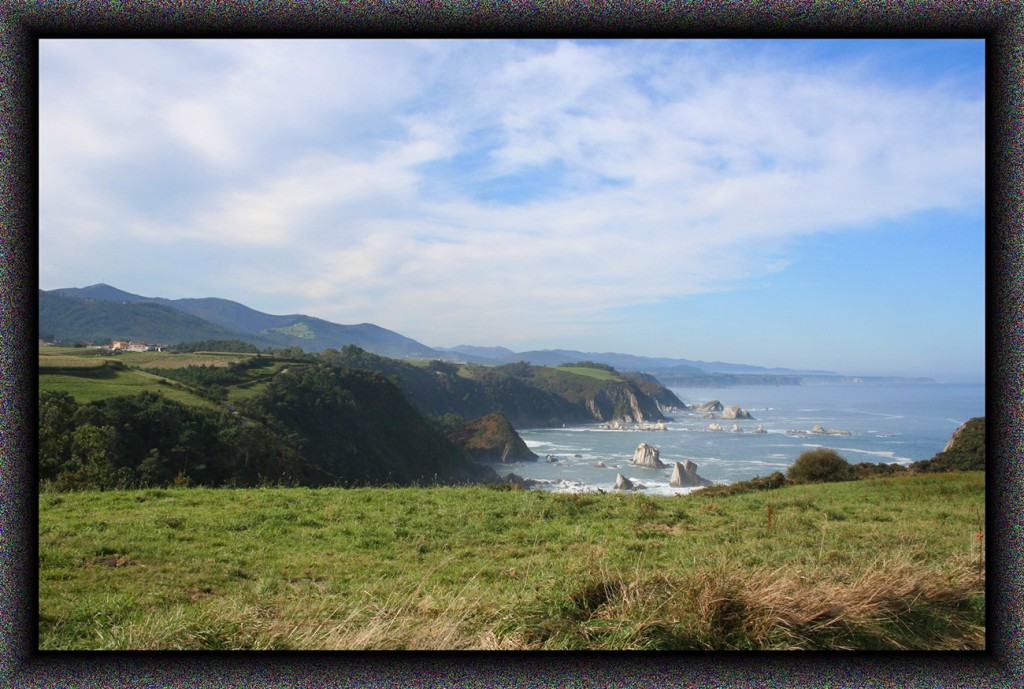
<point>75,319</point>
<point>101,313</point>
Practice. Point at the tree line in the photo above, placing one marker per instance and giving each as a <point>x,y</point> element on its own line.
<point>311,425</point>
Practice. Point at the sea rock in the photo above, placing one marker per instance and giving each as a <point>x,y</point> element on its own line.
<point>492,438</point>
<point>821,430</point>
<point>517,481</point>
<point>713,405</point>
<point>735,412</point>
<point>647,456</point>
<point>600,465</point>
<point>714,426</point>
<point>685,476</point>
<point>623,483</point>
<point>760,429</point>
<point>551,459</point>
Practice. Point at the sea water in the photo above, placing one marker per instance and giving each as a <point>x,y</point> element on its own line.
<point>890,423</point>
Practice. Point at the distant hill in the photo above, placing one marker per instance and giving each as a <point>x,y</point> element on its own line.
<point>101,313</point>
<point>77,319</point>
<point>625,362</point>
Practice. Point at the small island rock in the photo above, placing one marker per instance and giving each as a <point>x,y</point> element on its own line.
<point>647,456</point>
<point>735,412</point>
<point>684,475</point>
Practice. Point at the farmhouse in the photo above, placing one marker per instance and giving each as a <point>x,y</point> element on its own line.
<point>126,346</point>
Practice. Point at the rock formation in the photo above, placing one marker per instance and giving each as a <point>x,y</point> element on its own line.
<point>622,483</point>
<point>965,450</point>
<point>714,427</point>
<point>713,405</point>
<point>647,456</point>
<point>685,475</point>
<point>491,438</point>
<point>735,412</point>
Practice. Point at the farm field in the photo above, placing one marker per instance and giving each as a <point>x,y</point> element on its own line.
<point>888,563</point>
<point>89,374</point>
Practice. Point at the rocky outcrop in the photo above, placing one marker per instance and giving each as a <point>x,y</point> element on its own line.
<point>821,430</point>
<point>623,483</point>
<point>624,402</point>
<point>965,450</point>
<point>492,438</point>
<point>516,481</point>
<point>684,475</point>
<point>735,412</point>
<point>647,456</point>
<point>713,405</point>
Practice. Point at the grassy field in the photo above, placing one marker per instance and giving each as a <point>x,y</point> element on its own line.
<point>598,373</point>
<point>889,563</point>
<point>89,374</point>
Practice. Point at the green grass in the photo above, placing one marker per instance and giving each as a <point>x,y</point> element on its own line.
<point>884,563</point>
<point>85,388</point>
<point>89,375</point>
<point>598,373</point>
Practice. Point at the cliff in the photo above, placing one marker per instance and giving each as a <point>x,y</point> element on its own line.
<point>529,396</point>
<point>965,450</point>
<point>492,438</point>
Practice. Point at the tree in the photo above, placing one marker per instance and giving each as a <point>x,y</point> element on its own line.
<point>90,467</point>
<point>56,423</point>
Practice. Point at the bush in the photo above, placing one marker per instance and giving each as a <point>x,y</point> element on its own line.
<point>819,465</point>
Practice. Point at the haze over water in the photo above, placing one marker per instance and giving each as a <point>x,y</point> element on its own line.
<point>888,423</point>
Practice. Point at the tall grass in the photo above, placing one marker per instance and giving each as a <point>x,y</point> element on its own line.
<point>889,563</point>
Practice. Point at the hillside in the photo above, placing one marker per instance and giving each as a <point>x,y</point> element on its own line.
<point>492,438</point>
<point>73,319</point>
<point>529,396</point>
<point>101,313</point>
<point>143,420</point>
<point>964,452</point>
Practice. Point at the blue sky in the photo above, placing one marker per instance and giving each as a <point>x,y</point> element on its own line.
<point>806,204</point>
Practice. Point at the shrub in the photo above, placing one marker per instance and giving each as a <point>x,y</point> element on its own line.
<point>819,465</point>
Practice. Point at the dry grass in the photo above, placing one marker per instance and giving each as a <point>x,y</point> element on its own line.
<point>891,606</point>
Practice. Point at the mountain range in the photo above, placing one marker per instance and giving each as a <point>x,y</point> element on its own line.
<point>102,313</point>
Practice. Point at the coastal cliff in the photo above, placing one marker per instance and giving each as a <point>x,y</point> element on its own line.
<point>492,438</point>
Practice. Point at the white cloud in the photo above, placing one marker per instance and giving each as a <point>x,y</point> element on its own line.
<point>388,171</point>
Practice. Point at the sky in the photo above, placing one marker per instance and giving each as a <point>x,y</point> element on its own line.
<point>810,204</point>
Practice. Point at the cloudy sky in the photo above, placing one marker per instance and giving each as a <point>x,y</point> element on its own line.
<point>806,204</point>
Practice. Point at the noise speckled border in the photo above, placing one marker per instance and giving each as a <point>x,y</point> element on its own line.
<point>1001,22</point>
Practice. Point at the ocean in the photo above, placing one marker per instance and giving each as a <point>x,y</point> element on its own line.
<point>889,422</point>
